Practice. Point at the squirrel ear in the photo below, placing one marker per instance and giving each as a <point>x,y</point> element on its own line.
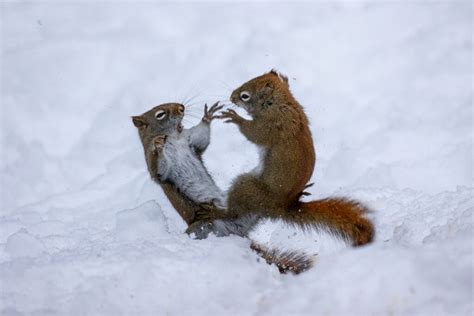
<point>266,92</point>
<point>139,121</point>
<point>274,72</point>
<point>284,79</point>
<point>280,76</point>
<point>268,87</point>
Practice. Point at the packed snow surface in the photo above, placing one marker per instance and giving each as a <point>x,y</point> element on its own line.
<point>388,90</point>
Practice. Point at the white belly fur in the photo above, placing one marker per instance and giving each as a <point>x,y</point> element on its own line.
<point>188,173</point>
<point>262,152</point>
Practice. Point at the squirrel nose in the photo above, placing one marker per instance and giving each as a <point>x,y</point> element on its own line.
<point>233,97</point>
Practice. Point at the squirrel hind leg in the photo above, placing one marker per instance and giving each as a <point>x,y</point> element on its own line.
<point>249,194</point>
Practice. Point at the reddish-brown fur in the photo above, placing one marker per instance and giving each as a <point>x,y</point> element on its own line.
<point>280,126</point>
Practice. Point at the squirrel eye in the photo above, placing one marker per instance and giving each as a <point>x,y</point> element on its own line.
<point>159,115</point>
<point>244,96</point>
<point>181,109</point>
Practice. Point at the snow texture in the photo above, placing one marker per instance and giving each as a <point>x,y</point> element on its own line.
<point>84,231</point>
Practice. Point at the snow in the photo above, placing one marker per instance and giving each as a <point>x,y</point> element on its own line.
<point>388,90</point>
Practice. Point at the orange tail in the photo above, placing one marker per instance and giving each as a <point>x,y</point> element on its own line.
<point>340,216</point>
<point>286,261</point>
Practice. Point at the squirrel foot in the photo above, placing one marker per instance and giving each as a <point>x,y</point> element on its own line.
<point>230,116</point>
<point>200,229</point>
<point>159,142</point>
<point>208,211</point>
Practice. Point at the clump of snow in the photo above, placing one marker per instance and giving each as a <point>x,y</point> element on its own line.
<point>388,90</point>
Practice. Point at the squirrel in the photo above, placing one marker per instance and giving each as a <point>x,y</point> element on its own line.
<point>280,128</point>
<point>174,160</point>
<point>173,157</point>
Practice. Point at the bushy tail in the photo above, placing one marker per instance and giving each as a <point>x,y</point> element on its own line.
<point>339,216</point>
<point>286,261</point>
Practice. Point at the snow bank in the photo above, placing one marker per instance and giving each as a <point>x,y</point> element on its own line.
<point>83,230</point>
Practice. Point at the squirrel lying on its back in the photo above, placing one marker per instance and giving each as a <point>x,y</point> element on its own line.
<point>173,153</point>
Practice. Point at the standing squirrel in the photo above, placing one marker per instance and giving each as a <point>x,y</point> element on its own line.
<point>279,127</point>
<point>173,157</point>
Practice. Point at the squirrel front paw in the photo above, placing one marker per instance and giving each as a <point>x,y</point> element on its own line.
<point>209,113</point>
<point>230,116</point>
<point>159,142</point>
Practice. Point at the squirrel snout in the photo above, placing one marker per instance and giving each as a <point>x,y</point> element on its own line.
<point>179,113</point>
<point>234,97</point>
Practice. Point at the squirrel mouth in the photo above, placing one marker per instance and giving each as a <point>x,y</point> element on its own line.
<point>245,107</point>
<point>180,128</point>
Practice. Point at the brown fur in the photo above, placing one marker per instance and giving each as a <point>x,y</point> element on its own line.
<point>185,207</point>
<point>280,126</point>
<point>341,217</point>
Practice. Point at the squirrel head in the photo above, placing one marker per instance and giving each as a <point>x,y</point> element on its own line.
<point>163,119</point>
<point>262,92</point>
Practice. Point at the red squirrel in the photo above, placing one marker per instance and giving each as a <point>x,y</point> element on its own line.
<point>280,128</point>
